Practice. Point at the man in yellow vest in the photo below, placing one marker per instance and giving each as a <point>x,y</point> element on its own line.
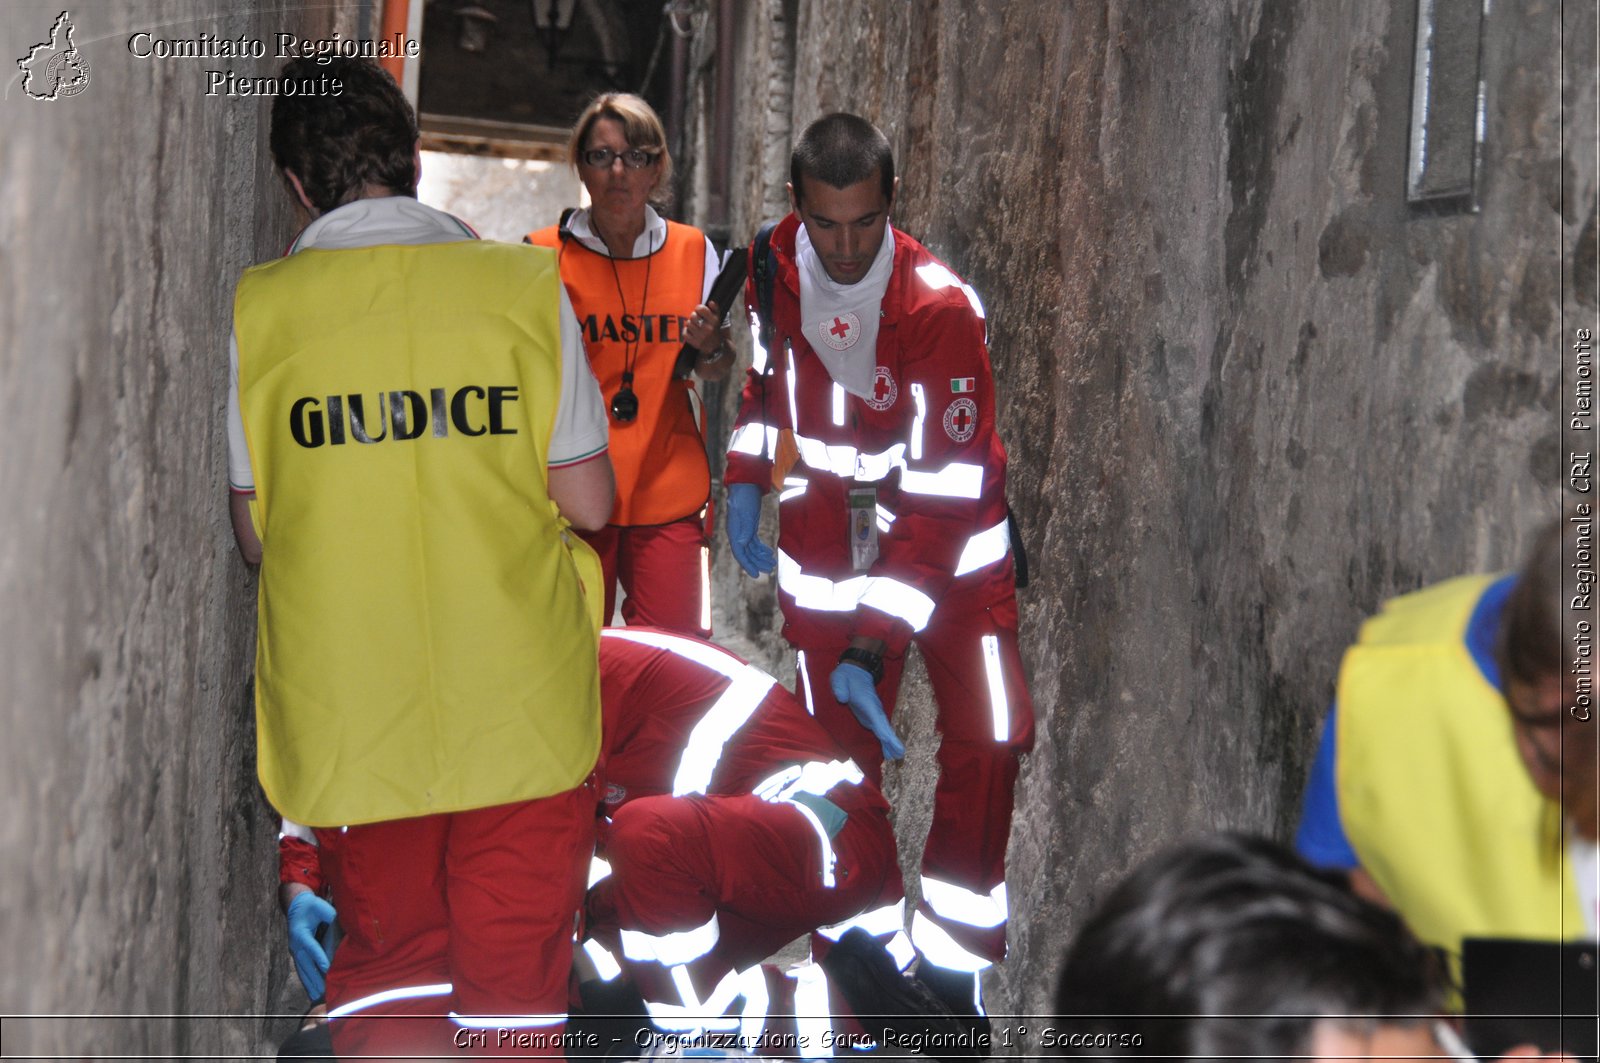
<point>1455,778</point>
<point>413,427</point>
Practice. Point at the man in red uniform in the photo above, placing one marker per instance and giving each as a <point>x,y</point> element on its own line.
<point>872,411</point>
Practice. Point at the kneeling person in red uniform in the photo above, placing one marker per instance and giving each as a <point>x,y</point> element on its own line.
<point>736,826</point>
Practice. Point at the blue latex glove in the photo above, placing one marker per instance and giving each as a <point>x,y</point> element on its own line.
<point>853,686</point>
<point>744,517</point>
<point>307,914</point>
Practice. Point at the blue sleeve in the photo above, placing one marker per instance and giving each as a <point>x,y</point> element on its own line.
<point>1321,839</point>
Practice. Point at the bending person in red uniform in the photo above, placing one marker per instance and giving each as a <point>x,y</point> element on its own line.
<point>736,826</point>
<point>639,285</point>
<point>872,412</point>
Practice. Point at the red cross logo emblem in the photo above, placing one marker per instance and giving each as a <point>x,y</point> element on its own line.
<point>961,420</point>
<point>884,389</point>
<point>842,332</point>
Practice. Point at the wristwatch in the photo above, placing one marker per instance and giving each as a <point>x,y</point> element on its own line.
<point>871,663</point>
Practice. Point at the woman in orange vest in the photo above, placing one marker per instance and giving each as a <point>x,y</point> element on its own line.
<point>638,284</point>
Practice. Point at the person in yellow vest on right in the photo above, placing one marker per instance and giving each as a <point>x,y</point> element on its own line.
<point>639,284</point>
<point>1452,781</point>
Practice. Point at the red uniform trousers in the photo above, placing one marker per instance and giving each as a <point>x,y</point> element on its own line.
<point>985,719</point>
<point>753,866</point>
<point>457,927</point>
<point>664,570</point>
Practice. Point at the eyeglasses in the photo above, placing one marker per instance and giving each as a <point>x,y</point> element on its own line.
<point>633,158</point>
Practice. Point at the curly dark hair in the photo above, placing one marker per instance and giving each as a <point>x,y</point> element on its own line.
<point>338,145</point>
<point>1230,947</point>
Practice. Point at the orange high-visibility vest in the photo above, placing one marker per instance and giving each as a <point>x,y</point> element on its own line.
<point>424,643</point>
<point>659,457</point>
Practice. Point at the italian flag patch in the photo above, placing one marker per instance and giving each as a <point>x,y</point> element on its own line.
<point>959,384</point>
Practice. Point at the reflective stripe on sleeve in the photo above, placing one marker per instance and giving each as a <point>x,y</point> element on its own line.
<point>937,276</point>
<point>999,707</point>
<point>985,548</point>
<point>720,723</point>
<point>758,357</point>
<point>747,686</point>
<point>838,404</point>
<point>793,487</point>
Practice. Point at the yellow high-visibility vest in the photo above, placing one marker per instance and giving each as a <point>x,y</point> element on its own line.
<point>1433,796</point>
<point>424,641</point>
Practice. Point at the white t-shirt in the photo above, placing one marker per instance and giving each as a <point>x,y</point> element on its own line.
<point>580,426</point>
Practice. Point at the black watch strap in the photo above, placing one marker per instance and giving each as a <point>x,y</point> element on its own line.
<point>871,663</point>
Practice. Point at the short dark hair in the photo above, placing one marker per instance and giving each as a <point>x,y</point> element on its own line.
<point>1231,947</point>
<point>339,145</point>
<point>1531,648</point>
<point>842,149</point>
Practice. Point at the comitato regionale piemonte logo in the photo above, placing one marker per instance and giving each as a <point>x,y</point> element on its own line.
<point>55,69</point>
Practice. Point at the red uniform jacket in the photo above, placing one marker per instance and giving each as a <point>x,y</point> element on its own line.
<point>925,440</point>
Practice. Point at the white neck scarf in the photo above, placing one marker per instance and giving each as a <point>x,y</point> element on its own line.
<point>840,321</point>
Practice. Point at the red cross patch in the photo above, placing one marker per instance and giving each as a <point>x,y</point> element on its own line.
<point>961,420</point>
<point>842,331</point>
<point>884,389</point>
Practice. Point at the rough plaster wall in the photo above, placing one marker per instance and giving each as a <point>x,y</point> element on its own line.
<point>138,854</point>
<point>1247,392</point>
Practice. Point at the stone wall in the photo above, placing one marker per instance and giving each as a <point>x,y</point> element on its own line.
<point>1248,392</point>
<point>136,852</point>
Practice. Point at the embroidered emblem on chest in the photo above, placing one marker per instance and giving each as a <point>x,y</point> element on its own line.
<point>615,794</point>
<point>961,420</point>
<point>842,332</point>
<point>884,390</point>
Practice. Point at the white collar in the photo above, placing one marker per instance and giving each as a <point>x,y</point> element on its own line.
<point>581,226</point>
<point>383,220</point>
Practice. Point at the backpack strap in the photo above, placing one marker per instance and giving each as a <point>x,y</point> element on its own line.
<point>764,267</point>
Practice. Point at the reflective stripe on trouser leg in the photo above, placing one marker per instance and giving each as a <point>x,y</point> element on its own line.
<point>813,1014</point>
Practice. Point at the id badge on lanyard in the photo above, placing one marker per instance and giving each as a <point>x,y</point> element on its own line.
<point>863,527</point>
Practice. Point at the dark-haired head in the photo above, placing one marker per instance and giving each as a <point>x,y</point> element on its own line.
<point>842,150</point>
<point>1232,947</point>
<point>361,142</point>
<point>1551,712</point>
